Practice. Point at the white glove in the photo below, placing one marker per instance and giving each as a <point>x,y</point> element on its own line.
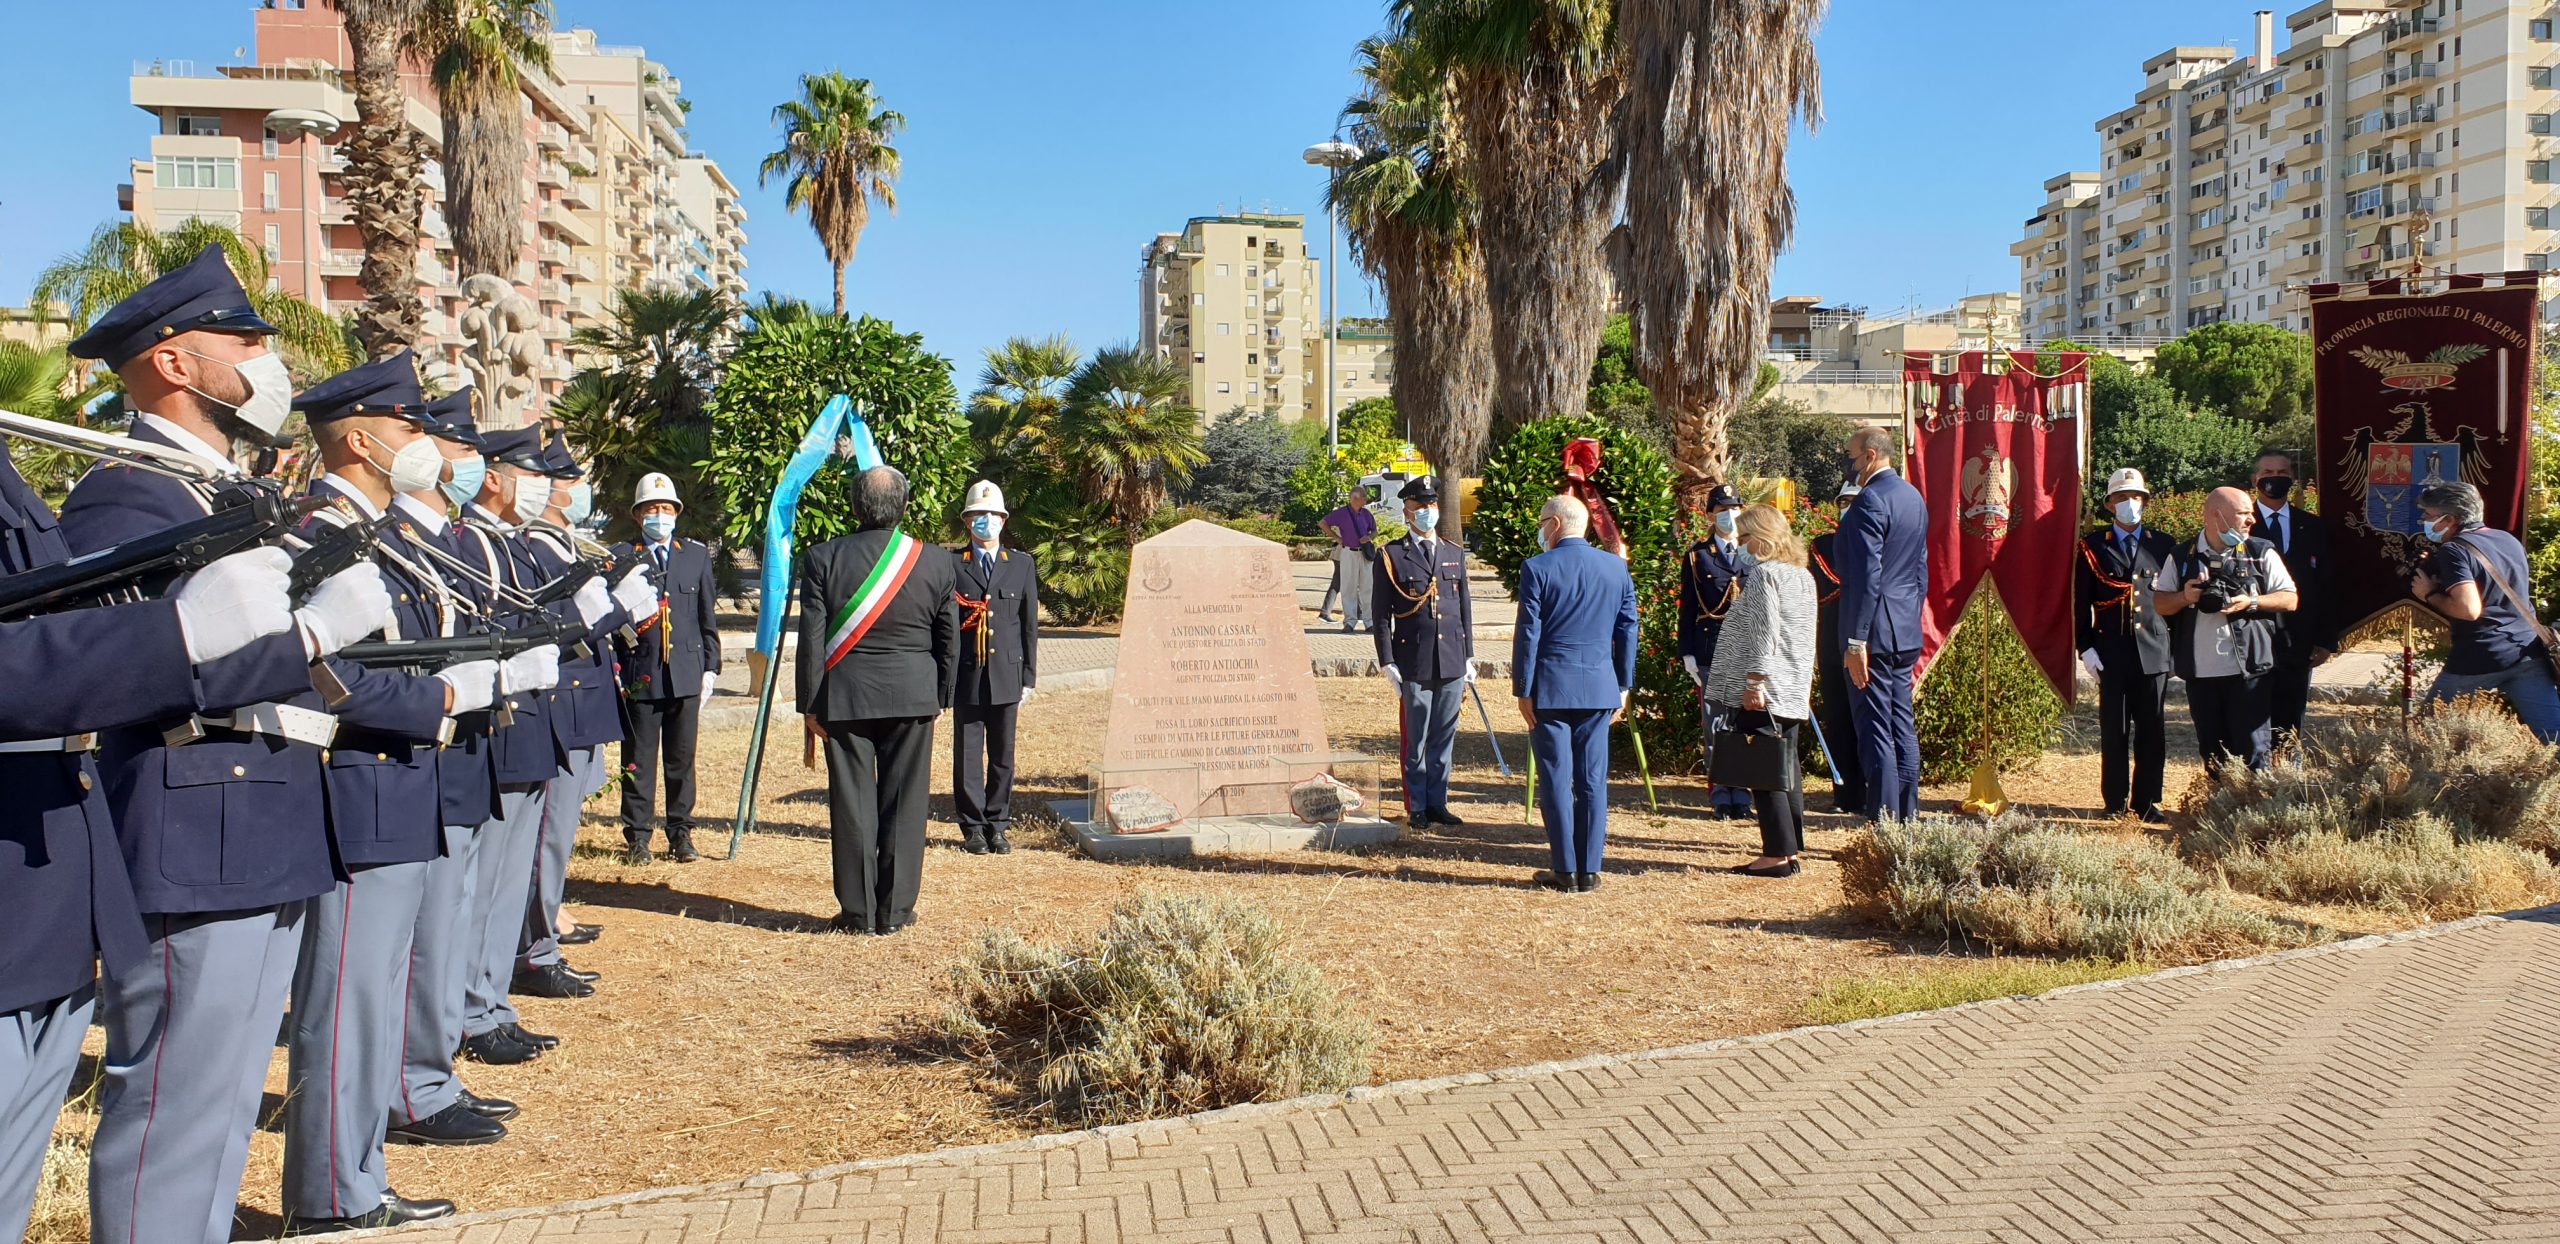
<point>2089,657</point>
<point>235,602</point>
<point>534,669</point>
<point>1471,670</point>
<point>594,602</point>
<point>474,684</point>
<point>1395,677</point>
<point>637,596</point>
<point>348,606</point>
<point>1691,664</point>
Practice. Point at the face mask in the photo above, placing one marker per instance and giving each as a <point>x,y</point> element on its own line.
<point>582,502</point>
<point>270,386</point>
<point>985,526</point>
<point>657,527</point>
<point>2436,535</point>
<point>1426,518</point>
<point>2275,488</point>
<point>1545,541</point>
<point>468,474</point>
<point>1745,559</point>
<point>1849,464</point>
<point>415,467</point>
<point>2129,513</point>
<point>2234,538</point>
<point>1724,523</point>
<point>533,496</point>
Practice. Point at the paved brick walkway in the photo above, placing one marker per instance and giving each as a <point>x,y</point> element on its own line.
<point>2395,1089</point>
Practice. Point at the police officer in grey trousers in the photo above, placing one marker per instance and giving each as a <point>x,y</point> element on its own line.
<point>349,989</point>
<point>1426,649</point>
<point>585,712</point>
<point>432,1106</point>
<point>515,490</point>
<point>65,901</point>
<point>219,810</point>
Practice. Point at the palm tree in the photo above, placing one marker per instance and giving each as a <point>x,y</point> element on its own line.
<point>1413,227</point>
<point>41,382</point>
<point>837,157</point>
<point>1538,83</point>
<point>1713,90</point>
<point>643,406</point>
<point>384,186</point>
<point>479,48</point>
<point>1127,432</point>
<point>125,255</point>
<point>1021,391</point>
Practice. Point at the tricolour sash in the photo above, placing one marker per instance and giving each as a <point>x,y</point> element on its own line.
<point>854,620</point>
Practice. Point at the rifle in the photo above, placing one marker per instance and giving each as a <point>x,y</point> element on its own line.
<point>247,516</point>
<point>429,656</point>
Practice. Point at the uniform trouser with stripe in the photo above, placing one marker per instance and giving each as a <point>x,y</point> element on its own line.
<point>343,1058</point>
<point>561,810</point>
<point>190,1029</point>
<point>39,1049</point>
<point>501,864</point>
<point>441,947</point>
<point>1430,740</point>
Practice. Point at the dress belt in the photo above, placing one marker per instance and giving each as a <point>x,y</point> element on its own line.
<point>66,743</point>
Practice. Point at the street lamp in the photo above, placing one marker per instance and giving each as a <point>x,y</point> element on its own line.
<point>1334,156</point>
<point>306,124</point>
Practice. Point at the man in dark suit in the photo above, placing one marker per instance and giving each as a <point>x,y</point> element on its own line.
<point>999,602</point>
<point>2307,637</point>
<point>1573,663</point>
<point>1711,579</point>
<point>879,656</point>
<point>1839,734</point>
<point>1426,649</point>
<point>2125,643</point>
<point>1884,581</point>
<point>667,667</point>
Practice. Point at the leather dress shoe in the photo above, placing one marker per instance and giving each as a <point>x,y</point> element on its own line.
<point>1443,816</point>
<point>1788,869</point>
<point>973,841</point>
<point>1562,883</point>
<point>456,1125</point>
<point>551,980</point>
<point>636,854</point>
<point>395,1210</point>
<point>488,1107</point>
<point>2154,816</point>
<point>1417,821</point>
<point>581,935</point>
<point>895,927</point>
<point>842,923</point>
<point>497,1049</point>
<point>1584,883</point>
<point>538,1040</point>
<point>998,842</point>
<point>582,974</point>
<point>680,847</point>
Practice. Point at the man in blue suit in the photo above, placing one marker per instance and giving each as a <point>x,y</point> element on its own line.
<point>1884,579</point>
<point>1573,663</point>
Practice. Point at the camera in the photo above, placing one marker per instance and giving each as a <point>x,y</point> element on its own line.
<point>2225,583</point>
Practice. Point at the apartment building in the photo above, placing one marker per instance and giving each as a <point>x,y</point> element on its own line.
<point>2231,181</point>
<point>1234,298</point>
<point>254,146</point>
<point>2058,262</point>
<point>678,223</point>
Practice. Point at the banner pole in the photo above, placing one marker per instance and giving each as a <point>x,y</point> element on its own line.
<point>1986,799</point>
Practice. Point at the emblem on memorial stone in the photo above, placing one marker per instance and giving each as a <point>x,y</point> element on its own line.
<point>1154,574</point>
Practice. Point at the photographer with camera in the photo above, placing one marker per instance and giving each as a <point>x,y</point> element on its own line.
<point>2221,597</point>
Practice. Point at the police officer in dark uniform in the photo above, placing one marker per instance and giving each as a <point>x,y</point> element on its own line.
<point>432,1107</point>
<point>999,599</point>
<point>1831,675</point>
<point>1711,580</point>
<point>2124,642</point>
<point>219,811</point>
<point>669,662</point>
<point>64,898</point>
<point>385,813</point>
<point>1426,648</point>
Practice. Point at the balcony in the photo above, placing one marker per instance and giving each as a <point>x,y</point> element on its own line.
<point>553,291</point>
<point>431,271</point>
<point>551,136</point>
<point>2410,72</point>
<point>336,211</point>
<point>551,173</point>
<point>341,262</point>
<point>2399,29</point>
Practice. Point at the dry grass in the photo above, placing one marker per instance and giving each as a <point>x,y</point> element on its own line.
<point>2454,813</point>
<point>1954,982</point>
<point>1177,1005</point>
<point>2021,885</point>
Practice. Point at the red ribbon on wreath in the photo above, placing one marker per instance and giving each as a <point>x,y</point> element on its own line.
<point>1581,462</point>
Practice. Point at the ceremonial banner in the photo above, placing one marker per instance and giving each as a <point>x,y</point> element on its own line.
<point>1995,451</point>
<point>2408,390</point>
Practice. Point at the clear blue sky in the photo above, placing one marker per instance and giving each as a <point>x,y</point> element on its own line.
<point>1049,140</point>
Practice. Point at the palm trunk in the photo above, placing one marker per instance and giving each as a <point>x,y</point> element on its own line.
<point>1442,322</point>
<point>1547,170</point>
<point>382,180</point>
<point>484,158</point>
<point>839,289</point>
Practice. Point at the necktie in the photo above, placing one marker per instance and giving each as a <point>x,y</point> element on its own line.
<point>659,553</point>
<point>2275,523</point>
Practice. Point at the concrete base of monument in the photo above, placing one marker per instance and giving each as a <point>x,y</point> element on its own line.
<point>1219,835</point>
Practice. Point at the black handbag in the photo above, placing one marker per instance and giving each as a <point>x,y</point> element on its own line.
<point>1752,759</point>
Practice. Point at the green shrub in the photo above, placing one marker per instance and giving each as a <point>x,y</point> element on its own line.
<point>1949,706</point>
<point>1177,1005</point>
<point>1261,527</point>
<point>1954,983</point>
<point>2454,812</point>
<point>2021,885</point>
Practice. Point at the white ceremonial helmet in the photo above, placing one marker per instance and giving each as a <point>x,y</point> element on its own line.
<point>983,498</point>
<point>655,486</point>
<point>2127,479</point>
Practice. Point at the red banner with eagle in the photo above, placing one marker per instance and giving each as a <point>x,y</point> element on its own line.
<point>1995,449</point>
<point>2410,389</point>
